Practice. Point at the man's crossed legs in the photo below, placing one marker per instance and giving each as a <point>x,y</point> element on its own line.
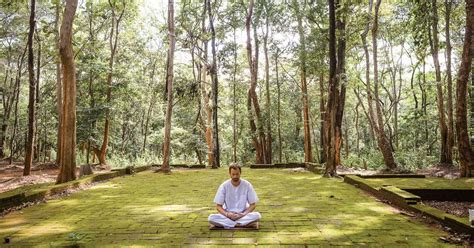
<point>222,221</point>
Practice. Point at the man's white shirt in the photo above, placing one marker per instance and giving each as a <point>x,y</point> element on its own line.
<point>235,199</point>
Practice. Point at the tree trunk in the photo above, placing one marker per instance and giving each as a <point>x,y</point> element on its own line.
<point>384,144</point>
<point>7,100</point>
<point>446,151</point>
<point>214,91</point>
<point>308,155</point>
<point>466,154</point>
<point>32,95</point>
<point>252,99</point>
<point>256,104</point>
<point>330,132</point>
<point>16,99</point>
<point>67,158</point>
<point>204,92</point>
<point>322,111</point>
<point>165,167</point>
<point>341,70</point>
<point>113,40</point>
<point>151,105</point>
<point>268,117</point>
<point>234,101</point>
<point>450,134</point>
<point>278,109</point>
<point>36,147</point>
<point>59,101</point>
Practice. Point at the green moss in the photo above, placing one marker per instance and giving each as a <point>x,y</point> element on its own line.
<point>152,210</point>
<point>423,183</point>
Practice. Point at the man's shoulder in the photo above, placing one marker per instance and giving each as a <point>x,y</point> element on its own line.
<point>225,183</point>
<point>245,182</point>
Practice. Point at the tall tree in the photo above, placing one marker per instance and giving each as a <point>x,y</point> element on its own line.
<point>67,157</point>
<point>308,154</point>
<point>466,153</point>
<point>450,134</point>
<point>268,106</point>
<point>214,91</point>
<point>376,119</point>
<point>330,123</point>
<point>32,95</point>
<point>204,93</point>
<point>113,41</point>
<point>446,149</point>
<point>280,143</point>
<point>332,136</point>
<point>341,78</point>
<point>255,116</point>
<point>59,101</point>
<point>165,167</point>
<point>384,144</point>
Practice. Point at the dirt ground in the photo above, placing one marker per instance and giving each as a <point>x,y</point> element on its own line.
<point>11,176</point>
<point>459,209</point>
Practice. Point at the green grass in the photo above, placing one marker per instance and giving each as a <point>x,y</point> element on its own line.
<point>149,210</point>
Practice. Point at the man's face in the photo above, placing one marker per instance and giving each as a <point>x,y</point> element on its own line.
<point>235,175</point>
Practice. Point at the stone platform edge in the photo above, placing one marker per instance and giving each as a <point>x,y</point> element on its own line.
<point>10,199</point>
<point>410,202</point>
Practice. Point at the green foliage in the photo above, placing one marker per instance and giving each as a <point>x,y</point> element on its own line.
<point>138,86</point>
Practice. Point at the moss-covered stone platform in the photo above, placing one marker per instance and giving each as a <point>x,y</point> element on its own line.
<point>150,209</point>
<point>407,193</point>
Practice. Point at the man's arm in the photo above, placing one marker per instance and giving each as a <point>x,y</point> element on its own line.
<point>230,215</point>
<point>221,210</point>
<point>249,209</point>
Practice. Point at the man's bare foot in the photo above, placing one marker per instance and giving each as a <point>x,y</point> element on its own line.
<point>254,224</point>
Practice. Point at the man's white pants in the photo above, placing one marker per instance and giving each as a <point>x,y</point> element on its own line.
<point>221,220</point>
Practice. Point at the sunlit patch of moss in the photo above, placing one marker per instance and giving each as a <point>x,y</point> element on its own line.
<point>153,210</point>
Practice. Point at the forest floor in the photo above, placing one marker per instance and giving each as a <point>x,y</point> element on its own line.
<point>298,209</point>
<point>11,176</point>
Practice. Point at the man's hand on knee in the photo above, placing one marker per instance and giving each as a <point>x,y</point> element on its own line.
<point>234,216</point>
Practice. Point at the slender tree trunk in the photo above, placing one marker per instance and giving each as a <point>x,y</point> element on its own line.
<point>7,100</point>
<point>67,158</point>
<point>466,154</point>
<point>357,129</point>
<point>268,117</point>
<point>256,104</point>
<point>15,100</point>
<point>446,152</point>
<point>322,111</point>
<point>151,105</point>
<point>32,94</point>
<point>36,147</point>
<point>113,40</point>
<point>59,101</point>
<point>450,134</point>
<point>280,148</point>
<point>375,119</point>
<point>204,92</point>
<point>330,132</point>
<point>215,84</point>
<point>234,101</point>
<point>308,155</point>
<point>252,96</point>
<point>341,61</point>
<point>165,167</point>
<point>384,144</point>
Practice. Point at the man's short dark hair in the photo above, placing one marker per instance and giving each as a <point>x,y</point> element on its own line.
<point>235,166</point>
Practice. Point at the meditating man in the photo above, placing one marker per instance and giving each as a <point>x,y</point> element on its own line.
<point>236,199</point>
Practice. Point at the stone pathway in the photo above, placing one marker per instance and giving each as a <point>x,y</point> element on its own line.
<point>298,209</point>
